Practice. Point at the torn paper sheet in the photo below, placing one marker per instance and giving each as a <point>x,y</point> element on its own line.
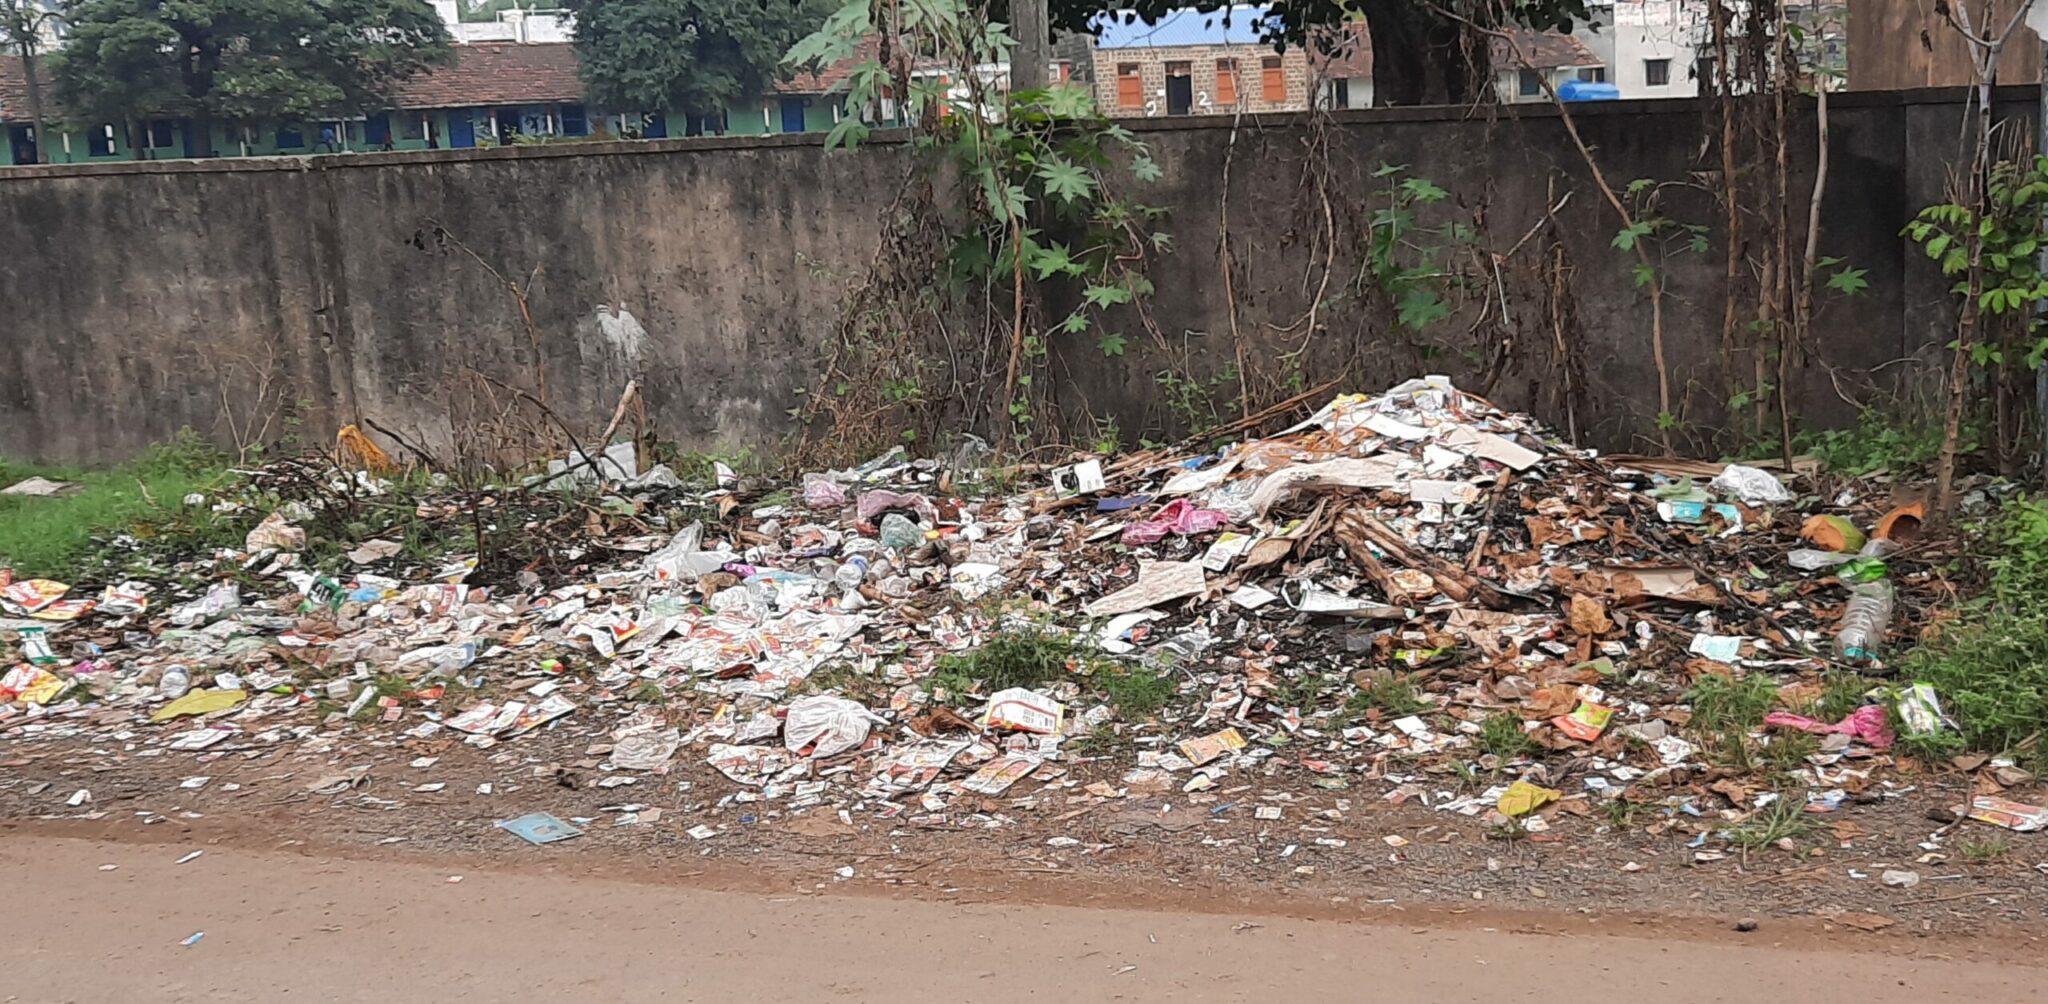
<point>1158,582</point>
<point>1383,471</point>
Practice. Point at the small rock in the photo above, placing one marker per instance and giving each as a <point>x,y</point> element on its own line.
<point>1942,815</point>
<point>1746,924</point>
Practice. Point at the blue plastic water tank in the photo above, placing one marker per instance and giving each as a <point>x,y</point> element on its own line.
<point>1587,90</point>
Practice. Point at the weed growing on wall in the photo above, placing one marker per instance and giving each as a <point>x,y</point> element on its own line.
<point>1034,212</point>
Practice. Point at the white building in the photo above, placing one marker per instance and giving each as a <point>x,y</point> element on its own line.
<point>1654,48</point>
<point>514,25</point>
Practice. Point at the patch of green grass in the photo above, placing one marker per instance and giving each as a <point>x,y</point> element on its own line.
<point>1725,711</point>
<point>1841,693</point>
<point>1103,740</point>
<point>1783,819</point>
<point>1392,697</point>
<point>1786,750</point>
<point>57,537</point>
<point>1136,691</point>
<point>647,692</point>
<point>1303,691</point>
<point>1503,736</point>
<point>1027,656</point>
<point>1990,665</point>
<point>1978,850</point>
<point>1720,703</point>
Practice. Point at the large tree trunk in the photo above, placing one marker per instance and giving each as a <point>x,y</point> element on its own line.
<point>35,98</point>
<point>1420,57</point>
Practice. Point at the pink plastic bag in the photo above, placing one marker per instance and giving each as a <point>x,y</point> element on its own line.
<point>1867,723</point>
<point>1180,516</point>
<point>874,503</point>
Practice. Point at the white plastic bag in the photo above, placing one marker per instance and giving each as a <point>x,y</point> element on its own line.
<point>1750,485</point>
<point>823,726</point>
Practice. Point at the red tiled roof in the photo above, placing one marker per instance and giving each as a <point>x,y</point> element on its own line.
<point>830,76</point>
<point>484,73</point>
<point>1544,49</point>
<point>497,73</point>
<point>14,90</point>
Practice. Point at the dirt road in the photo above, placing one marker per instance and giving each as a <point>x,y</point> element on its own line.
<point>285,927</point>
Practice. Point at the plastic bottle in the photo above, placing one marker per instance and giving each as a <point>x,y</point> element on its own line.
<point>1865,621</point>
<point>851,573</point>
<point>1807,559</point>
<point>175,683</point>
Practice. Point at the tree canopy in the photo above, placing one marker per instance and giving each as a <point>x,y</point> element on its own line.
<point>242,60</point>
<point>687,55</point>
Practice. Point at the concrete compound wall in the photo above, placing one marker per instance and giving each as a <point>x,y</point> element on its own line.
<point>137,299</point>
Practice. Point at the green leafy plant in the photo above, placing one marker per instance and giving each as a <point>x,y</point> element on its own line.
<point>1404,259</point>
<point>2009,230</point>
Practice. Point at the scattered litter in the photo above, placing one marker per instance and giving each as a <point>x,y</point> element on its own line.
<point>539,828</point>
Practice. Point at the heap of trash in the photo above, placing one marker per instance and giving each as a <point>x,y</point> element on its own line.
<point>1414,591</point>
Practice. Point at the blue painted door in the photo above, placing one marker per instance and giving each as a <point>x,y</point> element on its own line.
<point>461,129</point>
<point>792,114</point>
<point>654,126</point>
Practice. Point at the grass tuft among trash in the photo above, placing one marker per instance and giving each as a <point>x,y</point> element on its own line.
<point>54,536</point>
<point>1137,691</point>
<point>1025,656</point>
<point>1391,697</point>
<point>1784,819</point>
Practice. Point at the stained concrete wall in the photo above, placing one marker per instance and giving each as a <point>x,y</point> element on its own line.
<point>137,299</point>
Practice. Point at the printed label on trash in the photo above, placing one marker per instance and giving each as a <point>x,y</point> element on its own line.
<point>1025,711</point>
<point>997,776</point>
<point>2009,814</point>
<point>1586,722</point>
<point>1203,749</point>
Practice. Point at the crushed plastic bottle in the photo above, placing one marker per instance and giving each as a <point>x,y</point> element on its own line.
<point>1865,621</point>
<point>1807,559</point>
<point>851,573</point>
<point>175,683</point>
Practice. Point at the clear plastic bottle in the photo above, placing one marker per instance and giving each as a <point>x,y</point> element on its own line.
<point>851,573</point>
<point>175,683</point>
<point>1865,621</point>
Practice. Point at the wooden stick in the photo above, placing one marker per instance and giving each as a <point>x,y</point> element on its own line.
<point>1352,537</point>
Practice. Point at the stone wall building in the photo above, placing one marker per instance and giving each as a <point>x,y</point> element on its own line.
<point>1194,63</point>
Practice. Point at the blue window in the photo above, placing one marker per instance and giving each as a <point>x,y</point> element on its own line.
<point>290,138</point>
<point>99,141</point>
<point>160,134</point>
<point>377,129</point>
<point>654,126</point>
<point>575,121</point>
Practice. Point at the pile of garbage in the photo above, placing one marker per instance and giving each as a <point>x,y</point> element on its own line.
<point>1415,590</point>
